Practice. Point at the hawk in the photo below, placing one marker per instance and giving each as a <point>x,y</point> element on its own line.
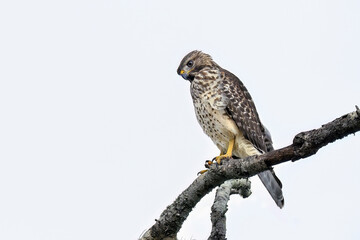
<point>227,114</point>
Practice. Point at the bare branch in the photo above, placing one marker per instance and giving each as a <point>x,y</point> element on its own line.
<point>304,145</point>
<point>219,208</point>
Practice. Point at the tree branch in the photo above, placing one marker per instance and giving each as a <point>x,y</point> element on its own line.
<point>304,145</point>
<point>219,208</point>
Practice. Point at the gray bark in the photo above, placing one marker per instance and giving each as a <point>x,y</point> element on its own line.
<point>219,208</point>
<point>304,145</point>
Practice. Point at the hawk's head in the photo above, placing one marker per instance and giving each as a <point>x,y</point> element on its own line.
<point>193,63</point>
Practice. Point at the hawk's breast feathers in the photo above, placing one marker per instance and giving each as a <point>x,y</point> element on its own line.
<point>230,102</point>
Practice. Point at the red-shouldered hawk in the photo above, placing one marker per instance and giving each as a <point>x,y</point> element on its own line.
<point>227,114</point>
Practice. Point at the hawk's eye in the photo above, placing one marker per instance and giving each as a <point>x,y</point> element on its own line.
<point>190,63</point>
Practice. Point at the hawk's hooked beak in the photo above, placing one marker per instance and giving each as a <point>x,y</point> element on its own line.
<point>184,74</point>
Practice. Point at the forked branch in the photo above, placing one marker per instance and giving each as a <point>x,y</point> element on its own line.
<point>304,145</point>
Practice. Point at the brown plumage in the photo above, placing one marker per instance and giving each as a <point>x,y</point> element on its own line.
<point>226,112</point>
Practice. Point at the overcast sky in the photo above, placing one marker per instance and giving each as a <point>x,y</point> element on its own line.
<point>98,133</point>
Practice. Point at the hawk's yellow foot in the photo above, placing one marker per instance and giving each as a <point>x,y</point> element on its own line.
<point>207,165</point>
<point>228,153</point>
<point>202,172</point>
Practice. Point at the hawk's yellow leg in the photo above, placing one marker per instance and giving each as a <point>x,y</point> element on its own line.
<point>218,159</point>
<point>228,153</point>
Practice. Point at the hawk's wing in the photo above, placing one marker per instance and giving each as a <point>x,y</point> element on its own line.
<point>241,108</point>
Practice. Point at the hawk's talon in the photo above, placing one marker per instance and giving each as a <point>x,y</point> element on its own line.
<point>208,163</point>
<point>221,157</point>
<point>202,172</point>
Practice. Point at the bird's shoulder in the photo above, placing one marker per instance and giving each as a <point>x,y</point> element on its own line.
<point>242,110</point>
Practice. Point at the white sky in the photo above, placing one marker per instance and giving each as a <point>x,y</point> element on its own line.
<point>98,133</point>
